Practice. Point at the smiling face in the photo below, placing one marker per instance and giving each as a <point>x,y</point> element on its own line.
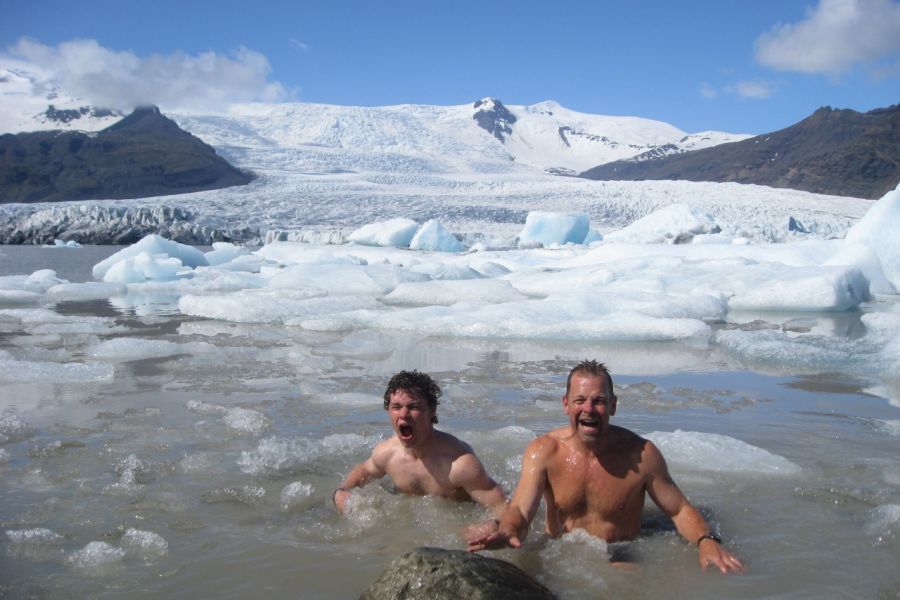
<point>589,403</point>
<point>411,418</point>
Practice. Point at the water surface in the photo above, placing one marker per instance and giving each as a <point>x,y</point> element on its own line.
<point>225,441</point>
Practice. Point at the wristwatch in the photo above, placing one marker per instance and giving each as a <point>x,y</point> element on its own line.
<point>709,536</point>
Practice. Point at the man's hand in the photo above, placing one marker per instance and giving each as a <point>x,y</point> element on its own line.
<point>340,500</point>
<point>494,541</point>
<point>712,553</point>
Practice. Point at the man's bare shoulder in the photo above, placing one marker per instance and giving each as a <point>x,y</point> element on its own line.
<point>384,451</point>
<point>451,445</point>
<point>543,448</point>
<point>626,437</point>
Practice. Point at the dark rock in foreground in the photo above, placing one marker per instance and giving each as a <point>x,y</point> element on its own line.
<point>436,574</point>
<point>144,154</point>
<point>839,152</point>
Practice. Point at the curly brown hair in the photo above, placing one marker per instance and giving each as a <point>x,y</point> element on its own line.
<point>416,384</point>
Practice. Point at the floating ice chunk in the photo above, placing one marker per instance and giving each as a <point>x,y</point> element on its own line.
<point>89,290</point>
<point>27,289</point>
<point>142,267</point>
<point>78,325</point>
<point>434,236</point>
<point>95,554</point>
<point>39,535</point>
<point>438,270</point>
<point>20,297</point>
<point>334,277</point>
<point>546,228</point>
<point>14,429</point>
<point>347,399</point>
<point>779,348</point>
<point>878,231</point>
<point>62,244</point>
<point>270,306</point>
<point>806,289</point>
<point>864,258</point>
<point>224,252</point>
<point>144,543</point>
<point>490,268</point>
<point>592,236</point>
<point>205,408</point>
<point>152,245</point>
<point>4,454</point>
<point>22,371</point>
<point>397,232</point>
<point>248,421</point>
<point>42,280</point>
<point>672,224</point>
<point>295,494</point>
<point>129,348</point>
<point>445,293</point>
<point>695,450</point>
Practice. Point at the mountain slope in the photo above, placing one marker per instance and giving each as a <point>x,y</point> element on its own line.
<point>840,152</point>
<point>144,154</point>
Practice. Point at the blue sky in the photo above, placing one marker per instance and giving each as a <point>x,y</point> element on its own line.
<point>741,67</point>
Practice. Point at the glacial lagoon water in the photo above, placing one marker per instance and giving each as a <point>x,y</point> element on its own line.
<point>206,469</point>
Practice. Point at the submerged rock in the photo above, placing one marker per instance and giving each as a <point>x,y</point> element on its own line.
<point>437,574</point>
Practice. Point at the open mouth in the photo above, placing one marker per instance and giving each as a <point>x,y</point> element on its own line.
<point>405,432</point>
<point>589,423</point>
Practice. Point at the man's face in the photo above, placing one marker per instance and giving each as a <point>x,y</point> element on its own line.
<point>589,404</point>
<point>410,418</point>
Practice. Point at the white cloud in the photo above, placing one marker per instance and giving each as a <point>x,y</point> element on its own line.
<point>708,91</point>
<point>835,36</point>
<point>120,79</point>
<point>295,43</point>
<point>756,90</point>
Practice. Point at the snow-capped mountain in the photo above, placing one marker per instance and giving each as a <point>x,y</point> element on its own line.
<point>544,136</point>
<point>558,140</point>
<point>478,168</point>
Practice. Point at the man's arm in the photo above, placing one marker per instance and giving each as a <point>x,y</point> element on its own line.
<point>468,473</point>
<point>363,473</point>
<point>513,525</point>
<point>688,520</point>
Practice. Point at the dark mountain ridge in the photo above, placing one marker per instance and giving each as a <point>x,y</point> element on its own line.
<point>833,151</point>
<point>144,154</point>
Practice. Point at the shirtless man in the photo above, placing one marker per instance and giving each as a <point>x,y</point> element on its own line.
<point>419,459</point>
<point>593,476</point>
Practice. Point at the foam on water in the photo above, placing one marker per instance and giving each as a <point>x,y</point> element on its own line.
<point>275,455</point>
<point>883,523</point>
<point>295,495</point>
<point>95,554</point>
<point>38,535</point>
<point>700,451</point>
<point>251,495</point>
<point>145,544</point>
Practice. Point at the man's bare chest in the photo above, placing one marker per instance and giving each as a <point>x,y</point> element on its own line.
<point>580,487</point>
<point>418,478</point>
